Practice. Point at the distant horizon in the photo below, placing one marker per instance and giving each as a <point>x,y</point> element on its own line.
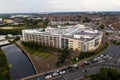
<point>58,12</point>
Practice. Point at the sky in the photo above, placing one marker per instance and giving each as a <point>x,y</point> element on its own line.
<point>21,6</point>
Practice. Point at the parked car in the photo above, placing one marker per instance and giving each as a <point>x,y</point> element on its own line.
<point>55,74</point>
<point>62,72</point>
<point>47,76</point>
<point>76,66</point>
<point>82,65</point>
<point>86,63</point>
<point>69,68</point>
<point>84,70</point>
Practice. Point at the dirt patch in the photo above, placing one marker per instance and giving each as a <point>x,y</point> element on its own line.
<point>44,65</point>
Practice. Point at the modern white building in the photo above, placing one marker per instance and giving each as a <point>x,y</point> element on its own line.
<point>1,20</point>
<point>78,37</point>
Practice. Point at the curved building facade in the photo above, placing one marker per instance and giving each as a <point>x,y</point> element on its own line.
<point>78,37</point>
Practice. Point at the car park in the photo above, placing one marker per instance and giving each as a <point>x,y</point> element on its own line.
<point>74,67</point>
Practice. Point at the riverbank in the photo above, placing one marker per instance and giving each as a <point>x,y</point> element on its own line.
<point>20,65</point>
<point>42,64</point>
<point>4,67</point>
<point>27,54</point>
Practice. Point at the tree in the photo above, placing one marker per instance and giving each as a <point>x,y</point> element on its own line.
<point>87,20</point>
<point>4,69</point>
<point>102,26</point>
<point>62,57</point>
<point>46,22</point>
<point>106,74</point>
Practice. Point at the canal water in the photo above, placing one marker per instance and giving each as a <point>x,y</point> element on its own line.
<point>19,62</point>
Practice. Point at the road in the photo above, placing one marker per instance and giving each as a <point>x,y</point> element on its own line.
<point>78,74</point>
<point>92,70</point>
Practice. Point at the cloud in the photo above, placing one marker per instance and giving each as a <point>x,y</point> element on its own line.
<point>87,5</point>
<point>58,5</point>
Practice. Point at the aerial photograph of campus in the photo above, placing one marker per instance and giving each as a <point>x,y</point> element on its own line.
<point>59,39</point>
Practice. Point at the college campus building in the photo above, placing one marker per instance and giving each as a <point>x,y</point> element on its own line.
<point>78,37</point>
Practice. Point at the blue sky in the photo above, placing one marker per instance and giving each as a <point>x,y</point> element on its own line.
<point>18,6</point>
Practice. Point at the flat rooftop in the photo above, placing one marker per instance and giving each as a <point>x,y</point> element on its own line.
<point>4,42</point>
<point>2,37</point>
<point>79,32</point>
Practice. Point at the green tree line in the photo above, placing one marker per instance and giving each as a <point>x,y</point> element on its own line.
<point>106,74</point>
<point>11,31</point>
<point>63,56</point>
<point>4,68</point>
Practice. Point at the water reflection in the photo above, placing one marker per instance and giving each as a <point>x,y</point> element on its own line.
<point>20,64</point>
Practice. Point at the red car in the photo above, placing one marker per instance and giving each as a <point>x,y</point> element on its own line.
<point>81,65</point>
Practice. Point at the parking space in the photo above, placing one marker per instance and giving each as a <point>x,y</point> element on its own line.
<point>113,51</point>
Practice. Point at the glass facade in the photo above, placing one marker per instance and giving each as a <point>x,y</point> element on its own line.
<point>64,43</point>
<point>96,42</point>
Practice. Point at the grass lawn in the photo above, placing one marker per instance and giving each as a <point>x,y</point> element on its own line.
<point>42,54</point>
<point>39,53</point>
<point>106,45</point>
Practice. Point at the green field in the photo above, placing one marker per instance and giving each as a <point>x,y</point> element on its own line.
<point>42,54</point>
<point>37,50</point>
<point>39,53</point>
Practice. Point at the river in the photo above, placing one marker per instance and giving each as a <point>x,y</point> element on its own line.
<point>20,64</point>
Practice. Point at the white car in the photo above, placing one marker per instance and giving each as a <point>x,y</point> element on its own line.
<point>55,74</point>
<point>48,76</point>
<point>85,62</point>
<point>107,56</point>
<point>61,72</point>
<point>75,65</point>
<point>101,56</point>
<point>95,59</point>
